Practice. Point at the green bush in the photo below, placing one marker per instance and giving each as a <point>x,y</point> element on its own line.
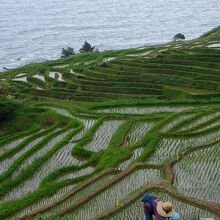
<point>179,36</point>
<point>86,47</point>
<point>5,87</point>
<point>67,52</point>
<point>8,110</point>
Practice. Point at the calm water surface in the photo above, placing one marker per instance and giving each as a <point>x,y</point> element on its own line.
<point>36,30</point>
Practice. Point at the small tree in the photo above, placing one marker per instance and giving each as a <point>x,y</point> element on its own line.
<point>86,47</point>
<point>67,52</point>
<point>179,36</point>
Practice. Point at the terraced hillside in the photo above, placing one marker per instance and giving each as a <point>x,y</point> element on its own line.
<point>93,132</point>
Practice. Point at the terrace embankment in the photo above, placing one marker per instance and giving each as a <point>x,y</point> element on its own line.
<point>111,126</point>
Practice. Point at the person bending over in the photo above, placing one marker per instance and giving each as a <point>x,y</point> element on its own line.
<point>161,210</point>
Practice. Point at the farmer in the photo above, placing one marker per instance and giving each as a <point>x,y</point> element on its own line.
<point>148,206</point>
<point>165,210</point>
<point>161,210</point>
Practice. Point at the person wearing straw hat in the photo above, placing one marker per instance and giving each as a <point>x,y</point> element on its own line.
<point>161,210</point>
<point>165,210</point>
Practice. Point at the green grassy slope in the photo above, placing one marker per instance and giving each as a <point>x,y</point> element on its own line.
<point>113,125</point>
<point>175,70</point>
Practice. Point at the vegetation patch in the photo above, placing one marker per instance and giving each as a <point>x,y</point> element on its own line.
<point>84,136</point>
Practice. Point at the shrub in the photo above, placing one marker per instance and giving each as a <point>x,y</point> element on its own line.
<point>86,47</point>
<point>179,36</point>
<point>8,110</point>
<point>5,86</point>
<point>67,52</point>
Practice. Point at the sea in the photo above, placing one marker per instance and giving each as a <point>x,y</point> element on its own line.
<point>36,30</point>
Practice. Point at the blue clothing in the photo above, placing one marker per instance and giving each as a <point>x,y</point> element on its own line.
<point>148,198</point>
<point>175,216</point>
<point>148,206</point>
<point>148,216</point>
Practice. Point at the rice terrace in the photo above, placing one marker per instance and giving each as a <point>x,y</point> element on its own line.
<point>84,137</point>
